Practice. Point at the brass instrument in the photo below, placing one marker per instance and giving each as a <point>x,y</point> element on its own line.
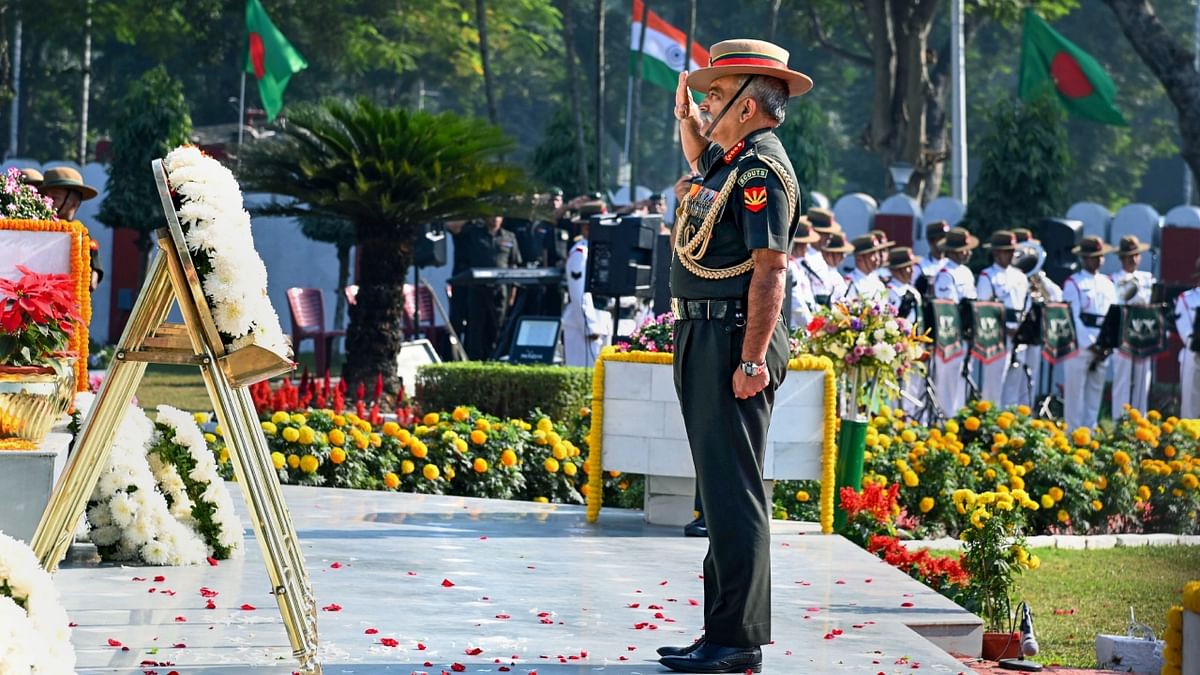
<point>171,279</point>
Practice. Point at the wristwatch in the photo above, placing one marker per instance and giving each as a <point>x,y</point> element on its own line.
<point>752,369</point>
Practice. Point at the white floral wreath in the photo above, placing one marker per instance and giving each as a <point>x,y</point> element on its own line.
<point>35,634</point>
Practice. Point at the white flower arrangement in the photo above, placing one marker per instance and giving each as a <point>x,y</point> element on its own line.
<point>217,232</point>
<point>35,634</point>
<point>197,496</point>
<point>129,517</point>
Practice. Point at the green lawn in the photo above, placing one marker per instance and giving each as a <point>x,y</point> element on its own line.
<point>183,388</point>
<point>1100,586</point>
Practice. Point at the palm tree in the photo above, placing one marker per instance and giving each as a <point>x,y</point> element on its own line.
<point>389,171</point>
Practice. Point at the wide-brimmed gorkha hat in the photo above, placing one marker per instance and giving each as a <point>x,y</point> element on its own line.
<point>1092,246</point>
<point>805,233</point>
<point>822,221</point>
<point>589,209</point>
<point>32,177</point>
<point>936,231</point>
<point>1024,234</point>
<point>958,239</point>
<point>1131,245</point>
<point>66,177</point>
<point>1002,240</point>
<point>881,238</point>
<point>901,256</point>
<point>749,57</point>
<point>868,244</point>
<point>837,244</point>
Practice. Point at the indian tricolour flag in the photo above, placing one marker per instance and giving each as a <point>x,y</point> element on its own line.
<point>664,49</point>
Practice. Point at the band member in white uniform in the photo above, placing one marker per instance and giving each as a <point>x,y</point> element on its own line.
<point>832,284</point>
<point>1131,377</point>
<point>1090,294</point>
<point>585,330</point>
<point>881,270</point>
<point>1043,289</point>
<point>954,282</point>
<point>905,298</point>
<point>803,302</point>
<point>864,280</point>
<point>1189,361</point>
<point>931,263</point>
<point>1003,283</point>
<point>824,225</point>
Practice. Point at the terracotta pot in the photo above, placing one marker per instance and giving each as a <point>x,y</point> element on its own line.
<point>32,399</point>
<point>998,646</point>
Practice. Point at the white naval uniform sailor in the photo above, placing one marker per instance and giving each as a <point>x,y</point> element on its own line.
<point>585,330</point>
<point>1131,377</point>
<point>953,282</point>
<point>803,303</point>
<point>914,382</point>
<point>864,285</point>
<point>1089,296</point>
<point>1027,391</point>
<point>1008,286</point>
<point>1189,361</point>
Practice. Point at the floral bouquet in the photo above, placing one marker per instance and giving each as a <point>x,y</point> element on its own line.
<point>656,334</point>
<point>867,342</point>
<point>37,314</point>
<point>20,201</point>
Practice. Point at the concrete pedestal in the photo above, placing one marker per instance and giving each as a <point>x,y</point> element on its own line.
<point>26,480</point>
<point>1128,655</point>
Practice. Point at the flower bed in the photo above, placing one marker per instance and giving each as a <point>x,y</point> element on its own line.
<point>1143,476</point>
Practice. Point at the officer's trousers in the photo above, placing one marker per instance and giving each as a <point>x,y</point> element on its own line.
<point>728,438</point>
<point>1084,387</point>
<point>951,387</point>
<point>1131,384</point>
<point>1189,383</point>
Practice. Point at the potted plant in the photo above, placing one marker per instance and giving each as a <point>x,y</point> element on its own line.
<point>994,554</point>
<point>38,313</point>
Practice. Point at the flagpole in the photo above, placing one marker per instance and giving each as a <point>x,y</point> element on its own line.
<point>958,121</point>
<point>687,65</point>
<point>241,120</point>
<point>636,104</point>
<point>1188,179</point>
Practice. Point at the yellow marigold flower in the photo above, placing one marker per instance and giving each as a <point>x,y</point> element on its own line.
<point>1097,505</point>
<point>1191,596</point>
<point>1190,481</point>
<point>419,449</point>
<point>391,428</point>
<point>449,435</point>
<point>1102,482</point>
<point>802,496</point>
<point>431,472</point>
<point>1177,492</point>
<point>1143,434</point>
<point>1063,516</point>
<point>614,474</point>
<point>1024,410</point>
<point>407,467</point>
<point>1143,492</point>
<point>1081,436</point>
<point>337,455</point>
<point>908,436</point>
<point>391,480</point>
<point>299,419</point>
<point>983,407</point>
<point>293,461</point>
<point>1004,421</point>
<point>460,414</point>
<point>1047,501</point>
<point>910,479</point>
<point>541,500</point>
<point>1169,451</point>
<point>539,437</point>
<point>979,516</point>
<point>375,439</point>
<point>544,424</point>
<point>448,471</point>
<point>559,451</point>
<point>964,459</point>
<point>478,437</point>
<point>951,426</point>
<point>569,469</point>
<point>480,465</point>
<point>430,419</point>
<point>278,460</point>
<point>309,464</point>
<point>584,411</point>
<point>404,437</point>
<point>306,435</point>
<point>990,474</point>
<point>483,425</point>
<point>1017,442</point>
<point>269,428</point>
<point>508,457</point>
<point>280,417</point>
<point>339,420</point>
<point>1017,482</point>
<point>971,423</point>
<point>551,465</point>
<point>209,438</point>
<point>926,504</point>
<point>460,445</point>
<point>290,434</point>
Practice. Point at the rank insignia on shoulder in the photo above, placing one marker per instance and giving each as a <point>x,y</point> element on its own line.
<point>755,198</point>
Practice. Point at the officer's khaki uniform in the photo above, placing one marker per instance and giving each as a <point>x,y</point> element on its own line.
<point>728,435</point>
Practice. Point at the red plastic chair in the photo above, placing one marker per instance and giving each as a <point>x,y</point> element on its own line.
<point>428,325</point>
<point>307,306</point>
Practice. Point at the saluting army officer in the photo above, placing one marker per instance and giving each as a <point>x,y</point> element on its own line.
<point>731,346</point>
<point>1131,376</point>
<point>585,330</point>
<point>1090,294</point>
<point>1189,361</point>
<point>954,282</point>
<point>1007,285</point>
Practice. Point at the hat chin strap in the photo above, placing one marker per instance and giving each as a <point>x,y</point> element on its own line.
<point>713,125</point>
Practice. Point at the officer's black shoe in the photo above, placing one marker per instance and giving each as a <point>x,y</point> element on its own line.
<point>713,658</point>
<point>696,528</point>
<point>680,651</point>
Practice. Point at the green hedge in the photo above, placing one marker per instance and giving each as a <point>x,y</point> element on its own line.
<point>507,391</point>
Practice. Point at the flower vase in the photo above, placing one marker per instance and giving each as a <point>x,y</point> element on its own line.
<point>32,398</point>
<point>852,439</point>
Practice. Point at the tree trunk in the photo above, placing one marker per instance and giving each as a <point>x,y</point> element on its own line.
<point>86,85</point>
<point>581,172</point>
<point>600,96</point>
<point>772,21</point>
<point>1171,63</point>
<point>376,328</point>
<point>489,90</point>
<point>339,308</point>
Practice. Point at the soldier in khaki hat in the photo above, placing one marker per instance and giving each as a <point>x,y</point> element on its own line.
<point>906,300</point>
<point>1189,359</point>
<point>931,263</point>
<point>954,282</point>
<point>1090,294</point>
<point>32,177</point>
<point>1001,282</point>
<point>1131,376</point>
<point>803,302</point>
<point>863,281</point>
<point>65,187</point>
<point>832,284</point>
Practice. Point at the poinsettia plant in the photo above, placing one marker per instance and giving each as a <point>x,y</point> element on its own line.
<point>38,312</point>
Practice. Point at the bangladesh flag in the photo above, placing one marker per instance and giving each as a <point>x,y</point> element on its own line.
<point>1082,85</point>
<point>663,51</point>
<point>270,57</point>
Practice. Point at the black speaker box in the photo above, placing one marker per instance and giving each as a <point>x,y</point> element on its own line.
<point>430,250</point>
<point>1058,237</point>
<point>621,255</point>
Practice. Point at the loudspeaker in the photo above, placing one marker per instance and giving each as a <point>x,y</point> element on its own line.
<point>430,250</point>
<point>621,255</point>
<point>662,274</point>
<point>1058,237</point>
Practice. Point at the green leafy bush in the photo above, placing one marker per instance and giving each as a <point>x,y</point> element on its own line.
<point>507,391</point>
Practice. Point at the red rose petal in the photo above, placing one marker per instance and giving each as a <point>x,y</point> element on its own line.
<point>457,667</point>
<point>249,607</point>
<point>159,579</point>
<point>693,603</point>
<point>371,631</point>
<point>446,583</point>
<point>210,605</point>
<point>114,643</point>
<point>180,619</point>
<point>208,592</point>
<point>332,607</point>
<point>473,651</point>
<point>336,566</point>
<point>634,605</point>
<point>389,642</point>
<point>906,604</point>
<point>420,647</point>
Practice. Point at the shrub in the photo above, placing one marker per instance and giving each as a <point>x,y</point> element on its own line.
<point>508,391</point>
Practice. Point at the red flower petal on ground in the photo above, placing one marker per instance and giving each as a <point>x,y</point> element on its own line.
<point>662,583</point>
<point>634,605</point>
<point>473,651</point>
<point>208,592</point>
<point>906,604</point>
<point>389,642</point>
<point>179,645</point>
<point>210,605</point>
<point>114,643</point>
<point>420,647</point>
<point>212,561</point>
<point>446,583</point>
<point>693,603</point>
<point>371,631</point>
<point>159,579</point>
<point>503,616</point>
<point>180,619</point>
<point>336,566</point>
<point>249,607</point>
<point>332,607</point>
<point>457,667</point>
<point>139,578</point>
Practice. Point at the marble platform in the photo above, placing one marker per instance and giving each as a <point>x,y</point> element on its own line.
<point>535,587</point>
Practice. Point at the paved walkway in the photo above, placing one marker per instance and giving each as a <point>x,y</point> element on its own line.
<point>991,668</point>
<point>414,583</point>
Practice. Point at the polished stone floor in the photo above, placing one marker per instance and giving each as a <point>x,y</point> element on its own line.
<point>482,586</point>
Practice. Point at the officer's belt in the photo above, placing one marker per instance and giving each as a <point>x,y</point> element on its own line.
<point>1091,320</point>
<point>704,309</point>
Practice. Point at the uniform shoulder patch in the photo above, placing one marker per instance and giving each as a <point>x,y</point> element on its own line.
<point>755,198</point>
<point>751,174</point>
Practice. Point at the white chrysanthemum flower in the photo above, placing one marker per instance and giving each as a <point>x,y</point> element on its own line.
<point>231,319</point>
<point>885,352</point>
<point>139,531</point>
<point>98,516</point>
<point>122,509</point>
<point>17,638</point>
<point>182,157</point>
<point>155,553</point>
<point>106,535</point>
<point>110,483</point>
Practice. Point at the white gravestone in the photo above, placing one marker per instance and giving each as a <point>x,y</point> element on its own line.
<point>855,212</point>
<point>1183,216</point>
<point>948,209</point>
<point>1095,218</point>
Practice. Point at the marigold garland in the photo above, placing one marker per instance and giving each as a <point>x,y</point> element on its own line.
<point>594,465</point>
<point>81,270</point>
